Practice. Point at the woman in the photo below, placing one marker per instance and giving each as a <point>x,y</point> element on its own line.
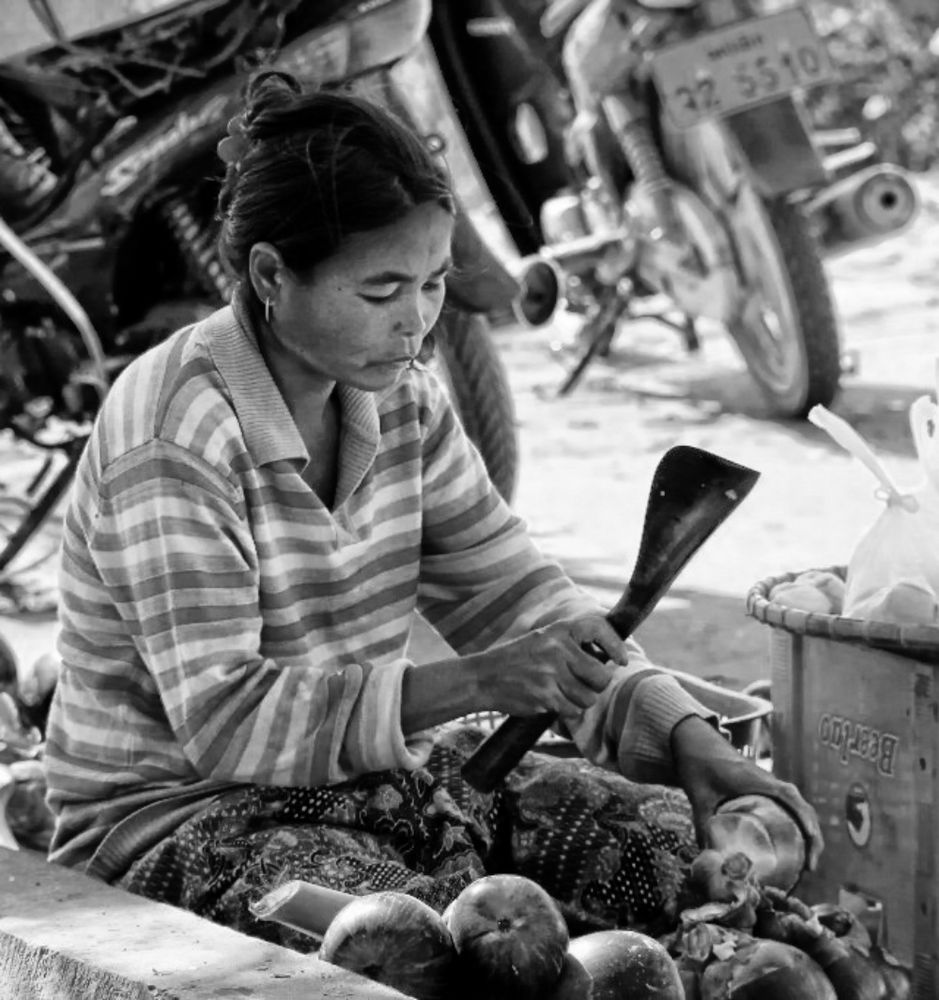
<point>265,501</point>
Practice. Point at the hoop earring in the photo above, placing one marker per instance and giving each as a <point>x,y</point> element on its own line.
<point>267,310</point>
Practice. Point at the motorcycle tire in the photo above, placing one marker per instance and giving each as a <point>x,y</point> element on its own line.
<point>469,363</point>
<point>807,370</point>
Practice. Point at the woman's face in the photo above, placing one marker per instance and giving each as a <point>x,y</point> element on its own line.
<point>360,319</point>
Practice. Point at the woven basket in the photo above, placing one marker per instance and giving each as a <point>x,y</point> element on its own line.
<point>920,642</point>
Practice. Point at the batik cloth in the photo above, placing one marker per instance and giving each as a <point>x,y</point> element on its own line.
<point>613,853</point>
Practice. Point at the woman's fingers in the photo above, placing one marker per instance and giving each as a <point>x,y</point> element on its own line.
<point>597,631</point>
<point>584,674</point>
<point>788,795</point>
<point>808,819</point>
<point>711,772</point>
<point>561,668</point>
<point>589,671</point>
<point>575,694</point>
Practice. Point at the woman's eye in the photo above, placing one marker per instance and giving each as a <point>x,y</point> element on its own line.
<point>381,294</point>
<point>388,293</point>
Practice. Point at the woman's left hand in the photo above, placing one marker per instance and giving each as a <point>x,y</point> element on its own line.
<point>711,771</point>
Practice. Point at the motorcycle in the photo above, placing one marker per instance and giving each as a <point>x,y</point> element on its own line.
<point>108,182</point>
<point>655,155</point>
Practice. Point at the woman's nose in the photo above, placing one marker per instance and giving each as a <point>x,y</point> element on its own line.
<point>417,316</point>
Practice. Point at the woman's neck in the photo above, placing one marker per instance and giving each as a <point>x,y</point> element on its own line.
<point>311,398</point>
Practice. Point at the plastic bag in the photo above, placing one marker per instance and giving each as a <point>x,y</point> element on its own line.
<point>893,574</point>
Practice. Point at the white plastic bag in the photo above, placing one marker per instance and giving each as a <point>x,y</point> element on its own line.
<point>893,574</point>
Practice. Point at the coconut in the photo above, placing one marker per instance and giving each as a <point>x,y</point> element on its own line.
<point>510,937</point>
<point>628,964</point>
<point>396,940</point>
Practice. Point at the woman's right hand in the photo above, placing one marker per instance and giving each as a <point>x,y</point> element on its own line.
<point>548,670</point>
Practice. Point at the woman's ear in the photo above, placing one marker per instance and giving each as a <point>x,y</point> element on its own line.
<point>265,267</point>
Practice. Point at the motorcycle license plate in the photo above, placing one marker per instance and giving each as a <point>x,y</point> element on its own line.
<point>739,66</point>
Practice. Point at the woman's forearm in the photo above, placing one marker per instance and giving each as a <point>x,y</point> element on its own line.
<point>545,670</point>
<point>435,693</point>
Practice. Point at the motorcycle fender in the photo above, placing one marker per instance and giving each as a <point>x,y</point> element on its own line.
<point>479,281</point>
<point>777,148</point>
<point>774,155</point>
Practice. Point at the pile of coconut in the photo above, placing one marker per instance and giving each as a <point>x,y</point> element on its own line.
<point>505,938</point>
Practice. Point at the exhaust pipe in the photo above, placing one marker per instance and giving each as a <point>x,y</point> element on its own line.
<point>541,276</point>
<point>541,290</point>
<point>864,208</point>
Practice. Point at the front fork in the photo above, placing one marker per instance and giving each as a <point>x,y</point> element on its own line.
<point>630,125</point>
<point>661,229</point>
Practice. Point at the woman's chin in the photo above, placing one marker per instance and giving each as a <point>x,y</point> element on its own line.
<point>382,376</point>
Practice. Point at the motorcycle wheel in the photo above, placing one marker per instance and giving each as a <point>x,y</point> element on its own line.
<point>469,363</point>
<point>787,332</point>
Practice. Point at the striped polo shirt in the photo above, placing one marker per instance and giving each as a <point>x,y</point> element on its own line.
<point>221,626</point>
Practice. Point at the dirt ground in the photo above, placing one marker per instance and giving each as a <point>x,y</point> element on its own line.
<point>587,459</point>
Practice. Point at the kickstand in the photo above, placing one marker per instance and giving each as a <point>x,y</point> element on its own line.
<point>597,331</point>
<point>690,332</point>
<point>686,326</point>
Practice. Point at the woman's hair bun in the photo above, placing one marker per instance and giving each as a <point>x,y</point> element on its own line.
<point>269,90</point>
<point>266,91</point>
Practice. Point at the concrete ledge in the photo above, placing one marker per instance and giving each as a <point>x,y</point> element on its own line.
<point>65,936</point>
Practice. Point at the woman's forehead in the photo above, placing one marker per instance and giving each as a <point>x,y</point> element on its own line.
<point>419,242</point>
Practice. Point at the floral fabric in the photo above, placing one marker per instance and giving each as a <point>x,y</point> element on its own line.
<point>613,853</point>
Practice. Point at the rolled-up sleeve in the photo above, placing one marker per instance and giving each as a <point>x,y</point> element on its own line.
<point>628,729</point>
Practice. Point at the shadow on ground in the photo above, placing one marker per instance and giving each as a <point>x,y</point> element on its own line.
<point>878,412</point>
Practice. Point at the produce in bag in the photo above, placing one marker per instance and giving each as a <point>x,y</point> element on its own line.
<point>893,574</point>
<point>818,590</point>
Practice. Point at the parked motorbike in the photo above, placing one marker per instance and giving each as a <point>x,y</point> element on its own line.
<point>656,152</point>
<point>108,183</point>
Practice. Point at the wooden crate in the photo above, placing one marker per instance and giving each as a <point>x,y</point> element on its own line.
<point>856,728</point>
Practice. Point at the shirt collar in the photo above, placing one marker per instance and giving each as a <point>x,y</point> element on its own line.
<point>268,426</point>
<point>269,429</point>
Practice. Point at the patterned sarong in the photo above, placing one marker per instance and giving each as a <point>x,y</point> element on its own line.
<point>613,853</point>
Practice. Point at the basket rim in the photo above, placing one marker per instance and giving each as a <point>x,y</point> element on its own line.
<point>921,641</point>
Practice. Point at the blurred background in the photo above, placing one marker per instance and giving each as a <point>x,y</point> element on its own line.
<point>585,458</point>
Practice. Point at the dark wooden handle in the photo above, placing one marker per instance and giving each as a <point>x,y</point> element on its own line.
<point>693,491</point>
<point>501,751</point>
